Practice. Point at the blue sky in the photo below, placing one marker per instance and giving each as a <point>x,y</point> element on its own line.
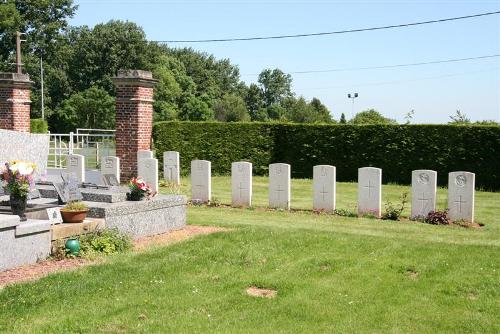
<point>433,91</point>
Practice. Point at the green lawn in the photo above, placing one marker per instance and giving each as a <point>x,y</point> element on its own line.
<point>333,275</point>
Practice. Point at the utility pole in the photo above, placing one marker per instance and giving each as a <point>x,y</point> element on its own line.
<point>352,96</point>
<point>41,85</point>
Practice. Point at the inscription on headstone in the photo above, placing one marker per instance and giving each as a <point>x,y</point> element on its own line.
<point>110,180</point>
<point>423,192</point>
<point>76,166</point>
<point>461,196</point>
<point>370,191</point>
<point>201,180</point>
<point>144,154</point>
<point>171,167</point>
<point>241,183</point>
<point>279,186</point>
<point>324,177</point>
<point>68,191</point>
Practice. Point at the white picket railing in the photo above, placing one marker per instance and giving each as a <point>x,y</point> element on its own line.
<point>92,143</point>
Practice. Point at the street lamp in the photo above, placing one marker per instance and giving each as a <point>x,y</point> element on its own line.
<point>352,96</point>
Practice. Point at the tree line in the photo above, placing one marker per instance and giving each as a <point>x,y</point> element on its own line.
<point>79,63</point>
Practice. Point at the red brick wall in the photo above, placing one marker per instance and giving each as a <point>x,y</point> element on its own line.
<point>15,108</point>
<point>134,123</point>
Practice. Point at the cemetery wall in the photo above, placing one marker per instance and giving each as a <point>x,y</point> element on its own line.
<point>397,149</point>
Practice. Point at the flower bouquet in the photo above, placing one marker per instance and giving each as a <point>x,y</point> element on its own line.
<point>139,190</point>
<point>17,178</point>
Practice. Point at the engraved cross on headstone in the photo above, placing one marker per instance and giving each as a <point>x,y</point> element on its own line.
<point>241,188</point>
<point>424,201</point>
<point>460,202</point>
<point>279,191</point>
<point>370,187</point>
<point>323,192</point>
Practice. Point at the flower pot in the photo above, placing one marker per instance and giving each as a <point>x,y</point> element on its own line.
<point>74,216</point>
<point>72,246</point>
<point>18,206</point>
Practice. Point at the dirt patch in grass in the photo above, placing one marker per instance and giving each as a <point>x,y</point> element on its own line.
<point>261,292</point>
<point>43,268</point>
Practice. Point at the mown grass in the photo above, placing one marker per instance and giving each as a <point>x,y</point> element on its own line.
<point>332,274</point>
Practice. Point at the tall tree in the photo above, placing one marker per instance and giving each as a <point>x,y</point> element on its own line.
<point>371,116</point>
<point>231,108</point>
<point>275,85</point>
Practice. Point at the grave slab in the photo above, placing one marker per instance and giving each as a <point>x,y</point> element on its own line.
<point>201,181</point>
<point>370,191</point>
<point>324,184</point>
<point>171,167</point>
<point>241,184</point>
<point>423,192</point>
<point>461,192</point>
<point>279,186</point>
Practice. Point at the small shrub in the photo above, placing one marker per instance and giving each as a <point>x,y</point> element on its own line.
<point>75,206</point>
<point>392,212</point>
<point>38,125</point>
<point>215,202</point>
<point>437,218</point>
<point>345,213</point>
<point>106,241</point>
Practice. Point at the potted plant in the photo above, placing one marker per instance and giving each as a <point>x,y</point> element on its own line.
<point>17,178</point>
<point>138,190</point>
<point>74,212</point>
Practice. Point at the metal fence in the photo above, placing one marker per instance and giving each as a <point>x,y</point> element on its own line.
<point>91,143</point>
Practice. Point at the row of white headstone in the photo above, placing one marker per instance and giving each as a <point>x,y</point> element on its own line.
<point>424,188</point>
<point>424,184</point>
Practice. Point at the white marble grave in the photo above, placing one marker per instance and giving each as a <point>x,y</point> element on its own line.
<point>461,196</point>
<point>279,186</point>
<point>148,170</point>
<point>111,166</point>
<point>144,154</point>
<point>75,165</point>
<point>423,192</point>
<point>241,183</point>
<point>370,191</point>
<point>201,181</point>
<point>324,178</point>
<point>171,167</point>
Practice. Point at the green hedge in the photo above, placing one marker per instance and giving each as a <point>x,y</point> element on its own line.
<point>397,149</point>
<point>38,125</point>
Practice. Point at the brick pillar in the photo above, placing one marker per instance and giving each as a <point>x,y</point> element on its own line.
<point>134,117</point>
<point>15,102</point>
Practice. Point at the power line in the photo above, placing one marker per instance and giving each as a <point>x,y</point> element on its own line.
<point>388,66</point>
<point>331,32</point>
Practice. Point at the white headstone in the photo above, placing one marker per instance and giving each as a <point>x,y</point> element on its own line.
<point>279,186</point>
<point>171,167</point>
<point>75,164</point>
<point>111,166</point>
<point>148,170</point>
<point>324,177</point>
<point>241,183</point>
<point>461,196</point>
<point>144,154</point>
<point>201,180</point>
<point>370,191</point>
<point>423,192</point>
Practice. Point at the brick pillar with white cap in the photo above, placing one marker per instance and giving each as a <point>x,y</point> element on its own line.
<point>15,89</point>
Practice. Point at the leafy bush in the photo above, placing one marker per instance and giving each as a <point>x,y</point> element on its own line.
<point>437,218</point>
<point>397,149</point>
<point>75,206</point>
<point>38,125</point>
<point>345,213</point>
<point>392,212</point>
<point>106,241</point>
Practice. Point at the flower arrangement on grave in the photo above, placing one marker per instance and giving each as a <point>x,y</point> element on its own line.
<point>139,190</point>
<point>17,178</point>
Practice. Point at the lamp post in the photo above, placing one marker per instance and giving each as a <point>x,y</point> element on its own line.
<point>352,96</point>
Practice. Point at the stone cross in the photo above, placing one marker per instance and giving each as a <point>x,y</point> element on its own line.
<point>111,166</point>
<point>148,170</point>
<point>461,196</point>
<point>324,177</point>
<point>171,167</point>
<point>75,165</point>
<point>201,180</point>
<point>241,183</point>
<point>279,186</point>
<point>423,192</point>
<point>370,191</point>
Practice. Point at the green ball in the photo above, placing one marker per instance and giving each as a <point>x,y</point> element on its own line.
<point>73,246</point>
